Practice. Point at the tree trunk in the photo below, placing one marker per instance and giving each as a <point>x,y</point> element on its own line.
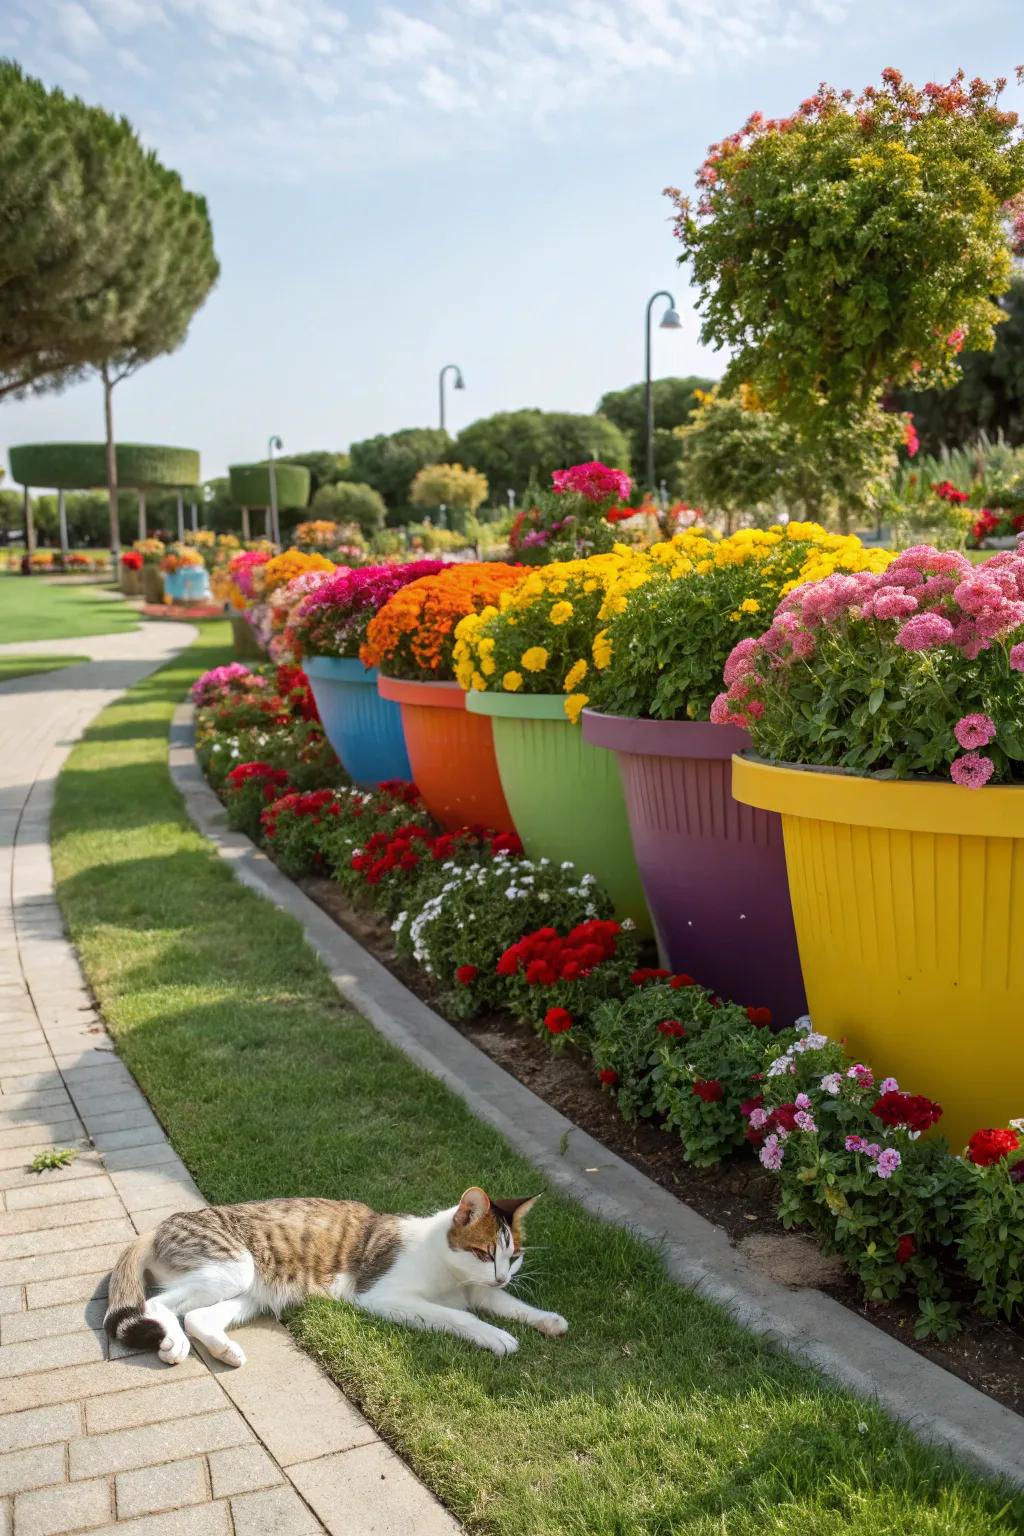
<point>108,417</point>
<point>62,515</point>
<point>245,525</point>
<point>30,532</point>
<point>142,515</point>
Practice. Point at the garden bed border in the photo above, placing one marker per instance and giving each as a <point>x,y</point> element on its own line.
<point>939,1407</point>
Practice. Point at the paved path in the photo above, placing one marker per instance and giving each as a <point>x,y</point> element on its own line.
<point>92,1437</point>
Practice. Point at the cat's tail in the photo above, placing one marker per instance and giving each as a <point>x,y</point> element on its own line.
<point>125,1318</point>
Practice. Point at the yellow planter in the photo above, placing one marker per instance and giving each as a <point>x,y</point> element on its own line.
<point>908,900</point>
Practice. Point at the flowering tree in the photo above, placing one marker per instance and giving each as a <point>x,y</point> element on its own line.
<point>449,485</point>
<point>858,243</point>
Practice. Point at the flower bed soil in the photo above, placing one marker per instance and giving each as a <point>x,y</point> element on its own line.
<point>736,1195</point>
<point>183,610</point>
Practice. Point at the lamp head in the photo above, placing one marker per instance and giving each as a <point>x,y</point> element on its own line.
<point>458,379</point>
<point>670,320</point>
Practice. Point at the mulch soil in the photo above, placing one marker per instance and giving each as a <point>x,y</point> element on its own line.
<point>738,1195</point>
<point>183,610</point>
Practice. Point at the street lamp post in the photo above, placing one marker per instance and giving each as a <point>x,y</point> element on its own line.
<point>275,528</point>
<point>669,321</point>
<point>448,368</point>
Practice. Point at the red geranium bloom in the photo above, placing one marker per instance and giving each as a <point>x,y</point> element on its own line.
<point>539,974</point>
<point>991,1146</point>
<point>681,980</point>
<point>910,1109</point>
<point>905,1249</point>
<point>749,1105</point>
<point>466,974</point>
<point>783,1118</point>
<point>608,1076</point>
<point>759,1017</point>
<point>647,973</point>
<point>557,1021</point>
<point>672,1027</point>
<point>709,1089</point>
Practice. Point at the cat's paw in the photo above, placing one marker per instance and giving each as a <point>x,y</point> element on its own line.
<point>174,1348</point>
<point>552,1324</point>
<point>499,1342</point>
<point>228,1353</point>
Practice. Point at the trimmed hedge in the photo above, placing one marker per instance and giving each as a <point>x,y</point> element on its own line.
<point>250,484</point>
<point>83,466</point>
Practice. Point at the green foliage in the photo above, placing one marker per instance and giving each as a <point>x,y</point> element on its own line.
<point>460,490</point>
<point>515,448</point>
<point>324,468</point>
<point>83,466</point>
<point>53,1157</point>
<point>250,484</point>
<point>989,397</point>
<point>675,400</point>
<point>348,501</point>
<point>11,519</point>
<point>856,245</point>
<point>390,462</point>
<point>991,1245</point>
<point>104,256</point>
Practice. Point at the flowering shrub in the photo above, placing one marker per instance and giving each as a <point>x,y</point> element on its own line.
<point>220,682</point>
<point>237,584</point>
<point>151,550</point>
<point>991,1246</point>
<point>364,815</point>
<point>680,1053</point>
<point>279,570</point>
<point>566,975</point>
<point>665,639</point>
<point>267,715</point>
<point>915,671</point>
<point>290,825</point>
<point>333,619</point>
<point>248,789</point>
<point>413,634</point>
<point>571,519</point>
<point>540,639</point>
<point>480,911</point>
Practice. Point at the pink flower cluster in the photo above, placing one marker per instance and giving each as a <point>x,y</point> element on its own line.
<point>243,567</point>
<point>233,678</point>
<point>593,481</point>
<point>933,598</point>
<point>332,620</point>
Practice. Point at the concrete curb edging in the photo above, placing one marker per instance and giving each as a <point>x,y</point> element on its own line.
<point>939,1407</point>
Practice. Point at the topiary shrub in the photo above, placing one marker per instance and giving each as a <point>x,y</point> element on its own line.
<point>83,466</point>
<point>250,484</point>
<point>351,502</point>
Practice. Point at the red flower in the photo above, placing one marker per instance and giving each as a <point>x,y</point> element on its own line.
<point>709,1089</point>
<point>905,1249</point>
<point>759,1017</point>
<point>557,1021</point>
<point>749,1105</point>
<point>910,1109</point>
<point>991,1146</point>
<point>506,842</point>
<point>681,980</point>
<point>783,1118</point>
<point>672,1027</point>
<point>608,1076</point>
<point>539,974</point>
<point>647,973</point>
<point>466,974</point>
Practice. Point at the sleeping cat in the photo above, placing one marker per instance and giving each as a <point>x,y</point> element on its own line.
<point>224,1265</point>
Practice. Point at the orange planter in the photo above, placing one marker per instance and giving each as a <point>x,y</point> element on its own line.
<point>452,754</point>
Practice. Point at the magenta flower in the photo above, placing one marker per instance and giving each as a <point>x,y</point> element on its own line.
<point>972,770</point>
<point>974,731</point>
<point>923,631</point>
<point>593,481</point>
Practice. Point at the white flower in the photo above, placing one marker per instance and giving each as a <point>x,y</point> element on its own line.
<point>832,1083</point>
<point>627,924</point>
<point>803,1023</point>
<point>780,1065</point>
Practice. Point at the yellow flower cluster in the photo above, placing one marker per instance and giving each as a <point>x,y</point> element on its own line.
<point>283,568</point>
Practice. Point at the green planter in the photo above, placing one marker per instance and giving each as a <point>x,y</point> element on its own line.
<point>565,796</point>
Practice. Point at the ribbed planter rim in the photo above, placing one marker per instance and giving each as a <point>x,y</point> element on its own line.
<point>904,805</point>
<point>518,706</point>
<point>342,669</point>
<point>663,738</point>
<point>437,695</point>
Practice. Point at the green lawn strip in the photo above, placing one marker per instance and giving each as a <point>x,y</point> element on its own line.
<point>655,1416</point>
<point>26,666</point>
<point>34,609</point>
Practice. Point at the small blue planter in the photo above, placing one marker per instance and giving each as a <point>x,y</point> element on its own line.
<point>188,584</point>
<point>364,729</point>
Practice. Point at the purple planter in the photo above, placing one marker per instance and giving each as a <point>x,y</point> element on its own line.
<point>713,870</point>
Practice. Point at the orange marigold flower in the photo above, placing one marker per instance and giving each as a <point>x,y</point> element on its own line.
<point>413,635</point>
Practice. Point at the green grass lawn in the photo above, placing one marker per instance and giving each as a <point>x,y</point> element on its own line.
<point>32,608</point>
<point>26,666</point>
<point>656,1416</point>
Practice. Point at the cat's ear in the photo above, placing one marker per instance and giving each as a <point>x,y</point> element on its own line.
<point>514,1210</point>
<point>474,1204</point>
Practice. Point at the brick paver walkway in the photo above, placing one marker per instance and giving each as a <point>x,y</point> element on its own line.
<point>93,1438</point>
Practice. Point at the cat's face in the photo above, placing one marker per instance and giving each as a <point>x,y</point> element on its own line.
<point>486,1238</point>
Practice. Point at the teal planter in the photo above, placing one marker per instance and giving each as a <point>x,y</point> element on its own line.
<point>364,729</point>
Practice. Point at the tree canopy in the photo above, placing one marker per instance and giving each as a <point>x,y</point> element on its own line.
<point>857,244</point>
<point>989,396</point>
<point>391,461</point>
<point>675,401</point>
<point>104,256</point>
<point>325,468</point>
<point>515,447</point>
<point>349,501</point>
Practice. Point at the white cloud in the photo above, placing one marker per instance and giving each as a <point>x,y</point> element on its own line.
<point>77,27</point>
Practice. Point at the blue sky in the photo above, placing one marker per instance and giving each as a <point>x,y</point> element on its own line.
<point>398,186</point>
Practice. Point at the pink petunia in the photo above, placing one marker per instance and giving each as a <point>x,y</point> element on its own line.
<point>974,731</point>
<point>972,770</point>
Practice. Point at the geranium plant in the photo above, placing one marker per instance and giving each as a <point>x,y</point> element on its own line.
<point>571,519</point>
<point>912,672</point>
<point>413,634</point>
<point>555,979</point>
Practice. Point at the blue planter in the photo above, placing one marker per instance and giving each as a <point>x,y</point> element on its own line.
<point>188,584</point>
<point>364,729</point>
